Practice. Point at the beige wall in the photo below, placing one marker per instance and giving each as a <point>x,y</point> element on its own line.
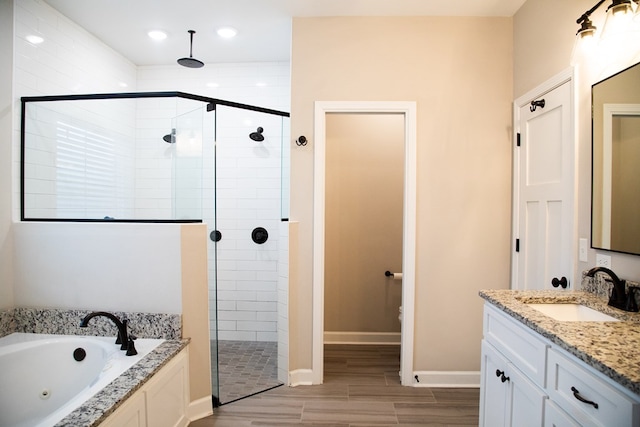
<point>6,78</point>
<point>459,71</point>
<point>544,35</point>
<point>363,231</point>
<point>195,308</point>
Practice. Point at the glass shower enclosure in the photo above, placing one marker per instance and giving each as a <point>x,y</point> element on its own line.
<point>172,157</point>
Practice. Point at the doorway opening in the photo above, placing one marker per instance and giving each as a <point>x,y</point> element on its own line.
<point>325,114</point>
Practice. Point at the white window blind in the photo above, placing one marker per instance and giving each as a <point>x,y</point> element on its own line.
<point>86,172</point>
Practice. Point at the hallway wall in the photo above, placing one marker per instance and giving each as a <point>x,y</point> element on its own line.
<point>459,71</point>
<point>363,226</point>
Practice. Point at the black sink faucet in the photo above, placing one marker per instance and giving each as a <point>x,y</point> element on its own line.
<point>125,341</point>
<point>619,296</point>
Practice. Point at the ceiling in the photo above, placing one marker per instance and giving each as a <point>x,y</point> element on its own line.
<point>264,26</point>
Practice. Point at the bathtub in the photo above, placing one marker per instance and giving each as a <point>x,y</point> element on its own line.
<point>44,377</point>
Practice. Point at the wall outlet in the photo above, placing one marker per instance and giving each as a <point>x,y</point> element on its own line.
<point>584,245</point>
<point>603,260</point>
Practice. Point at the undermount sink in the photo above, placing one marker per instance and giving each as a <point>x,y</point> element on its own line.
<point>572,313</point>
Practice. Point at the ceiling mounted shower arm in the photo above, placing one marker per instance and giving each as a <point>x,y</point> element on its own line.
<point>191,33</point>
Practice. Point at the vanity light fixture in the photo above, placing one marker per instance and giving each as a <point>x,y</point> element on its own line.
<point>615,9</point>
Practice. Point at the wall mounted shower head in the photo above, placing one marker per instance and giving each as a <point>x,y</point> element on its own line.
<point>191,62</point>
<point>170,137</point>
<point>257,135</point>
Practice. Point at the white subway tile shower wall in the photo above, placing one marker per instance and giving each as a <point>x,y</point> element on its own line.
<point>73,61</point>
<point>248,185</point>
<point>70,60</point>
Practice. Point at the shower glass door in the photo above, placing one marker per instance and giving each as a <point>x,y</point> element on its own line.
<point>246,241</point>
<point>186,148</point>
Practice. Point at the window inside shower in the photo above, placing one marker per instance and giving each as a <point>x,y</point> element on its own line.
<point>112,158</point>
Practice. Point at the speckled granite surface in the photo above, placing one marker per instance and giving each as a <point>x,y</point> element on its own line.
<point>67,322</point>
<point>612,348</point>
<point>99,407</point>
<point>7,323</point>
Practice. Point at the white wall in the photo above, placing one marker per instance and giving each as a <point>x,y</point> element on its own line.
<point>113,267</point>
<point>78,265</point>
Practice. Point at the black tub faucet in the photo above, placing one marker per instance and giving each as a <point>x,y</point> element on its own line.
<point>620,298</point>
<point>125,341</point>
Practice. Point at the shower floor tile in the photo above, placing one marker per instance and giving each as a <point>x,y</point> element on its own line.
<point>246,368</point>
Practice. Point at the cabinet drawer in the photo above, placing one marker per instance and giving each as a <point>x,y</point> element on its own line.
<point>524,348</point>
<point>569,381</point>
<point>556,417</point>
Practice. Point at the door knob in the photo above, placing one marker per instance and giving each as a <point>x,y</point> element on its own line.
<point>555,282</point>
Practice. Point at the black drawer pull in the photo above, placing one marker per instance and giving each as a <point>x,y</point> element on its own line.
<point>499,372</point>
<point>576,394</point>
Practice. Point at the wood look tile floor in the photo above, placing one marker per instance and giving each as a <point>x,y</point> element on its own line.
<point>361,388</point>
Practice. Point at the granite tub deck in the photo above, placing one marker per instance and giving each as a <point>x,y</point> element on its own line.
<point>106,401</point>
<point>612,348</point>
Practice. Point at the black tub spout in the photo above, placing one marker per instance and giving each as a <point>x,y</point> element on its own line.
<point>123,337</point>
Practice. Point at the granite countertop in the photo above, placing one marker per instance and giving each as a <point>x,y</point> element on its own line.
<point>106,401</point>
<point>612,348</point>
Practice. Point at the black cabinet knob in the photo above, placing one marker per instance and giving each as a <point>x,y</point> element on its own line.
<point>555,282</point>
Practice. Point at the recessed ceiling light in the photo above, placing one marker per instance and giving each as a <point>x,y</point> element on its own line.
<point>34,39</point>
<point>227,32</point>
<point>157,35</point>
<point>212,84</point>
<point>261,84</point>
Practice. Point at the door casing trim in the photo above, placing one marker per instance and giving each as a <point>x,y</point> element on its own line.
<point>408,108</point>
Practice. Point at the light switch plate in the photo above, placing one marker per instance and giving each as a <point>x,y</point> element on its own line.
<point>603,260</point>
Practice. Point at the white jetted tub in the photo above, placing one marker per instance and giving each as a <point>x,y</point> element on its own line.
<point>44,377</point>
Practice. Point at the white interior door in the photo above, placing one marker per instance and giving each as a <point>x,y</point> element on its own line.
<point>544,188</point>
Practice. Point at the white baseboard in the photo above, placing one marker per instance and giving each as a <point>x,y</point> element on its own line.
<point>200,408</point>
<point>378,338</point>
<point>300,377</point>
<point>447,379</point>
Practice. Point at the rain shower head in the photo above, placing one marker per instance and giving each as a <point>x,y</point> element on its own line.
<point>257,135</point>
<point>191,62</point>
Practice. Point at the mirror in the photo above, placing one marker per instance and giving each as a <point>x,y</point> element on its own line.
<point>615,191</point>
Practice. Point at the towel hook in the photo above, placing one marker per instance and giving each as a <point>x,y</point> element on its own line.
<point>536,104</point>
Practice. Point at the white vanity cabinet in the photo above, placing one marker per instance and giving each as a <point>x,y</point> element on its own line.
<point>512,373</point>
<point>161,401</point>
<point>543,384</point>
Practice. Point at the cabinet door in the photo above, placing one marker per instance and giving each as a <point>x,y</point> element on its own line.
<point>527,401</point>
<point>168,394</point>
<point>494,393</point>
<point>131,414</point>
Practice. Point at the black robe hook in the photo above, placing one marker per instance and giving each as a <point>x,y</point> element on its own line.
<point>536,104</point>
